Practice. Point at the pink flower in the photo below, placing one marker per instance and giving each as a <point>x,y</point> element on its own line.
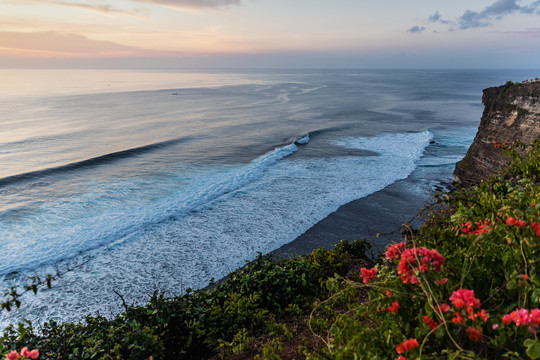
<point>495,326</point>
<point>25,352</point>
<point>368,275</point>
<point>464,297</point>
<point>13,355</point>
<point>30,354</point>
<point>394,251</point>
<point>520,317</point>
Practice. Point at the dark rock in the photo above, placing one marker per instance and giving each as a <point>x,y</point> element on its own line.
<point>511,113</point>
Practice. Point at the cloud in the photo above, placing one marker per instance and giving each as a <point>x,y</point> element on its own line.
<point>194,3</point>
<point>437,18</point>
<point>529,33</point>
<point>497,10</point>
<point>416,29</point>
<point>99,8</point>
<point>54,44</point>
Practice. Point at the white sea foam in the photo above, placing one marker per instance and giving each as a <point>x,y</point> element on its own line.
<point>255,208</point>
<point>65,228</point>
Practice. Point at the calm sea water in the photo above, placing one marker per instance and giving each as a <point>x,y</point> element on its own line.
<point>146,180</point>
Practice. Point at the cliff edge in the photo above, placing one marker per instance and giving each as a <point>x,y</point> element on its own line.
<point>511,113</point>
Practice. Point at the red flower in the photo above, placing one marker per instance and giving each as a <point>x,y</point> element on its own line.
<point>457,319</point>
<point>394,251</point>
<point>417,259</point>
<point>534,315</point>
<point>442,281</point>
<point>402,358</point>
<point>483,315</point>
<point>525,277</point>
<point>474,334</point>
<point>511,221</point>
<point>521,223</point>
<point>431,323</point>
<point>524,317</point>
<point>464,297</point>
<point>443,308</point>
<point>388,293</point>
<point>368,275</point>
<point>536,227</point>
<point>394,307</point>
<point>407,345</point>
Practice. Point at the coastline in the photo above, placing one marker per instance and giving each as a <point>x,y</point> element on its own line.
<point>383,212</point>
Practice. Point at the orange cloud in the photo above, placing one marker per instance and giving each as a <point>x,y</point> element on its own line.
<point>54,44</point>
<point>194,3</point>
<point>99,8</point>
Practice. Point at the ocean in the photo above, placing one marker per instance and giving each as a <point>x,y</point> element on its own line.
<point>135,181</point>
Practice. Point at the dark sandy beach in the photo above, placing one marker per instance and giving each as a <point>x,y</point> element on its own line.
<point>383,212</point>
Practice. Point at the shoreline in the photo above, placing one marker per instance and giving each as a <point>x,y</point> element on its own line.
<point>383,212</point>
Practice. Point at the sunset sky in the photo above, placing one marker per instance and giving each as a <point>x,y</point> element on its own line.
<point>270,33</point>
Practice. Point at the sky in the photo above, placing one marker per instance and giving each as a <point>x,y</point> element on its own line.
<point>270,33</point>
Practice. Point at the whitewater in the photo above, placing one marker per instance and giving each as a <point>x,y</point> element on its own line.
<point>138,181</point>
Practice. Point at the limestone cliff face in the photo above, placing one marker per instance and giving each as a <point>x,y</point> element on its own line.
<point>511,113</point>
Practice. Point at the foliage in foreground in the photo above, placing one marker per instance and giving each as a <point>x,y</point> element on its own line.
<point>466,287</point>
<point>198,324</point>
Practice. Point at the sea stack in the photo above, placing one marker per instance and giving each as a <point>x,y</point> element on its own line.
<point>511,113</point>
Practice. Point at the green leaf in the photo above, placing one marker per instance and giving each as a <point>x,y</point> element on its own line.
<point>533,348</point>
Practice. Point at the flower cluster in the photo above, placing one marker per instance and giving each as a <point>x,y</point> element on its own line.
<point>536,228</point>
<point>394,307</point>
<point>464,298</point>
<point>482,227</point>
<point>475,334</point>
<point>513,222</point>
<point>522,223</point>
<point>498,145</point>
<point>523,317</point>
<point>25,354</point>
<point>417,259</point>
<point>465,301</point>
<point>433,325</point>
<point>394,251</point>
<point>407,345</point>
<point>368,274</point>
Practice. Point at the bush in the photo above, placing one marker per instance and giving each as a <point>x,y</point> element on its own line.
<point>467,286</point>
<point>250,302</point>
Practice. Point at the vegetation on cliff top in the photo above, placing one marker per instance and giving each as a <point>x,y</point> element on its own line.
<point>466,286</point>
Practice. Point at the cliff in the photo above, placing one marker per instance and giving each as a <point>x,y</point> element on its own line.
<point>511,113</point>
